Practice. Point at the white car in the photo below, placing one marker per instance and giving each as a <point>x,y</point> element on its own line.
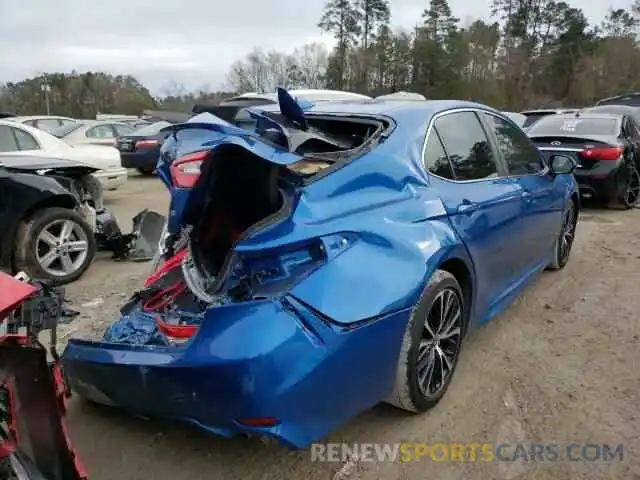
<point>20,139</point>
<point>92,132</point>
<point>42,122</point>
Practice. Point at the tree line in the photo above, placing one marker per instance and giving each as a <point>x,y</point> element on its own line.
<point>532,53</point>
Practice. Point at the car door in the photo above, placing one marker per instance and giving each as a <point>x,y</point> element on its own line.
<point>543,194</point>
<point>482,203</point>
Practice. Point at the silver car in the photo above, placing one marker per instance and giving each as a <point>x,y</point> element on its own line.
<point>92,132</point>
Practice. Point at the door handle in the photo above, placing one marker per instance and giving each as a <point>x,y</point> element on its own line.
<point>467,207</point>
<point>526,196</point>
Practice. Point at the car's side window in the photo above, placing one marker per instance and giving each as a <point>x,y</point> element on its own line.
<point>7,140</point>
<point>435,158</point>
<point>522,157</point>
<point>100,132</point>
<point>48,123</point>
<point>25,140</point>
<point>466,143</point>
<point>122,130</point>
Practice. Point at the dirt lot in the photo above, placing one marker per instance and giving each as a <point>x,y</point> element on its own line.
<point>561,366</point>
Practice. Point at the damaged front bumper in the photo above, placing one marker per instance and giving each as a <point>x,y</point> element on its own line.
<point>139,245</point>
<point>270,368</point>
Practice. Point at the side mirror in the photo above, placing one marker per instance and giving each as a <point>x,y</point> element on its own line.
<point>561,164</point>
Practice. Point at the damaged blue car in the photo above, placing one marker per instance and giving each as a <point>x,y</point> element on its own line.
<point>328,258</point>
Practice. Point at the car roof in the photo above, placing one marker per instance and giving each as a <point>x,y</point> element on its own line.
<point>393,108</point>
<point>307,94</point>
<point>22,118</point>
<point>549,110</point>
<point>590,115</point>
<point>622,108</point>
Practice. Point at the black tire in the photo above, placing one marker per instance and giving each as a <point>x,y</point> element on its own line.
<point>562,251</point>
<point>629,187</point>
<point>408,393</point>
<point>147,172</point>
<point>25,257</point>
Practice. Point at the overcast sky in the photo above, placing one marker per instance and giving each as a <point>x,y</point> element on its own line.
<point>191,42</point>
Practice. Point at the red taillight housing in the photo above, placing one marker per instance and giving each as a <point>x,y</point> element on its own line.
<point>147,143</point>
<point>186,170</point>
<point>602,153</point>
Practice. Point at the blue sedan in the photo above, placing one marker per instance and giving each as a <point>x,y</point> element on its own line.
<point>336,256</point>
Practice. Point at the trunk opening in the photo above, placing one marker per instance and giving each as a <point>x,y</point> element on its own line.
<point>238,193</point>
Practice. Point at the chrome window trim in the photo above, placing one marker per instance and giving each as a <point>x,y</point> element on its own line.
<point>475,110</point>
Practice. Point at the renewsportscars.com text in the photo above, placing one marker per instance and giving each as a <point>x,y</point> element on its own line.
<point>467,452</point>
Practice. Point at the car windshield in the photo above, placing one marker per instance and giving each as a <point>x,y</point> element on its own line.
<point>561,125</point>
<point>65,130</point>
<point>151,129</point>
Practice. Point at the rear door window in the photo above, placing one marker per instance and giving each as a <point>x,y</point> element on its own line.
<point>467,146</point>
<point>8,141</point>
<point>101,132</point>
<point>48,123</point>
<point>25,140</point>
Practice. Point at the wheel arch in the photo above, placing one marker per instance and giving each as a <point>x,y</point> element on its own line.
<point>462,272</point>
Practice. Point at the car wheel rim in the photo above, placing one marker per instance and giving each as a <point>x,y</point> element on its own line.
<point>62,248</point>
<point>632,192</point>
<point>567,233</point>
<point>440,341</point>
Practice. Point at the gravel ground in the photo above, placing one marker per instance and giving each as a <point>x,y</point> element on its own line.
<point>561,366</point>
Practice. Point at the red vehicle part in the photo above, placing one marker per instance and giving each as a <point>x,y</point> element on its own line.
<point>34,443</point>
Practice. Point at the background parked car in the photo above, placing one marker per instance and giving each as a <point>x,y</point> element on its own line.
<point>141,149</point>
<point>92,132</point>
<point>534,115</point>
<point>631,99</point>
<point>43,122</point>
<point>606,147</point>
<point>24,140</point>
<point>44,231</point>
<point>517,118</point>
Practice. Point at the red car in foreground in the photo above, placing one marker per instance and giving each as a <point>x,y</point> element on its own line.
<point>33,435</point>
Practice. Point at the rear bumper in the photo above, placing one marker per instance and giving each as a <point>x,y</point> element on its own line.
<point>112,179</point>
<point>146,159</point>
<point>252,360</point>
<point>600,182</point>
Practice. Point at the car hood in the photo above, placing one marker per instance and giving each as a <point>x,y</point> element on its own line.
<point>38,164</point>
<point>100,157</point>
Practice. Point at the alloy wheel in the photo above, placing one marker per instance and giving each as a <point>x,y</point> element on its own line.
<point>440,342</point>
<point>567,233</point>
<point>61,247</point>
<point>632,190</point>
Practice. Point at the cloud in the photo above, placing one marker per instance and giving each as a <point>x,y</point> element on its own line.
<point>192,42</point>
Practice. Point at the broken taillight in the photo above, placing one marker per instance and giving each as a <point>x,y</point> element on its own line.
<point>186,170</point>
<point>271,273</point>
